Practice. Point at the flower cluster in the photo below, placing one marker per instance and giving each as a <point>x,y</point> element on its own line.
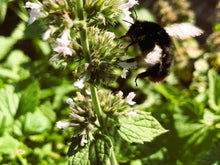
<point>63,32</point>
<point>83,120</point>
<point>115,105</point>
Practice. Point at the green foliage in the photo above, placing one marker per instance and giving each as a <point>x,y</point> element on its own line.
<point>140,128</point>
<point>99,151</point>
<point>172,123</point>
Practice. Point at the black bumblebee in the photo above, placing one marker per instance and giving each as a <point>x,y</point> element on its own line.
<point>155,45</point>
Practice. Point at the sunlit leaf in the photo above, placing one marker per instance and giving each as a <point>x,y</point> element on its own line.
<point>9,101</point>
<point>213,92</point>
<point>35,123</point>
<point>81,157</point>
<point>3,11</point>
<point>99,151</point>
<point>139,128</point>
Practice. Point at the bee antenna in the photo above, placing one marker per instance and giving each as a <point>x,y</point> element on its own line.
<point>127,21</point>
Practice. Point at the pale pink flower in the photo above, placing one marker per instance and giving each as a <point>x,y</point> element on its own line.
<point>34,12</point>
<point>62,45</point>
<point>62,125</point>
<point>80,83</point>
<point>46,35</point>
<point>125,8</point>
<point>130,97</point>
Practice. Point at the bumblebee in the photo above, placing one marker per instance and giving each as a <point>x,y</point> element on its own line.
<point>155,45</point>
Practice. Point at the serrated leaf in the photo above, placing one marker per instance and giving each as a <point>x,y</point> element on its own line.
<point>139,128</point>
<point>74,146</point>
<point>213,92</point>
<point>99,151</point>
<point>36,123</point>
<point>81,157</point>
<point>29,99</point>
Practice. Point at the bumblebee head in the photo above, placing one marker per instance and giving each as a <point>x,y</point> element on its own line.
<point>136,30</point>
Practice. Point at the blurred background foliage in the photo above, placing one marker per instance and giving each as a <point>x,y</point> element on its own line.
<point>33,91</point>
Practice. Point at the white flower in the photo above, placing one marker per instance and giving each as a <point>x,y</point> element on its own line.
<point>34,12</point>
<point>83,140</point>
<point>62,125</point>
<point>46,35</point>
<point>32,5</point>
<point>80,83</point>
<point>110,34</point>
<point>129,4</point>
<point>88,92</point>
<point>124,73</point>
<point>131,113</point>
<point>62,45</point>
<point>70,102</point>
<point>130,97</point>
<point>119,94</point>
<point>125,8</point>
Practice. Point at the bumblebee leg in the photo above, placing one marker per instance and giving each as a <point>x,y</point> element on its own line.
<point>132,43</point>
<point>122,36</point>
<point>141,75</point>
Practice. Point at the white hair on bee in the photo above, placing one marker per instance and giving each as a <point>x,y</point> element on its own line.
<point>183,31</point>
<point>153,57</point>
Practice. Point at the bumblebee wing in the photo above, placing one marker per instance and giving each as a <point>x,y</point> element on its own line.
<point>183,31</point>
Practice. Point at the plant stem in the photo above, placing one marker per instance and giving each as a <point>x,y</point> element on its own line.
<point>86,52</point>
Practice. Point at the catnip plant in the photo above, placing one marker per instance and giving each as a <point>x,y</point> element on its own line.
<point>78,31</point>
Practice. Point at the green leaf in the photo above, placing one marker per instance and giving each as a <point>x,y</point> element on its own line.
<point>9,145</point>
<point>145,15</point>
<point>36,29</point>
<point>81,157</point>
<point>47,109</point>
<point>8,104</point>
<point>3,11</point>
<point>168,92</point>
<point>16,58</point>
<point>198,144</point>
<point>36,123</point>
<point>212,156</point>
<point>74,146</point>
<point>8,74</point>
<point>99,151</point>
<point>139,128</point>
<point>29,99</point>
<point>213,91</point>
<point>217,27</point>
<point>6,43</point>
